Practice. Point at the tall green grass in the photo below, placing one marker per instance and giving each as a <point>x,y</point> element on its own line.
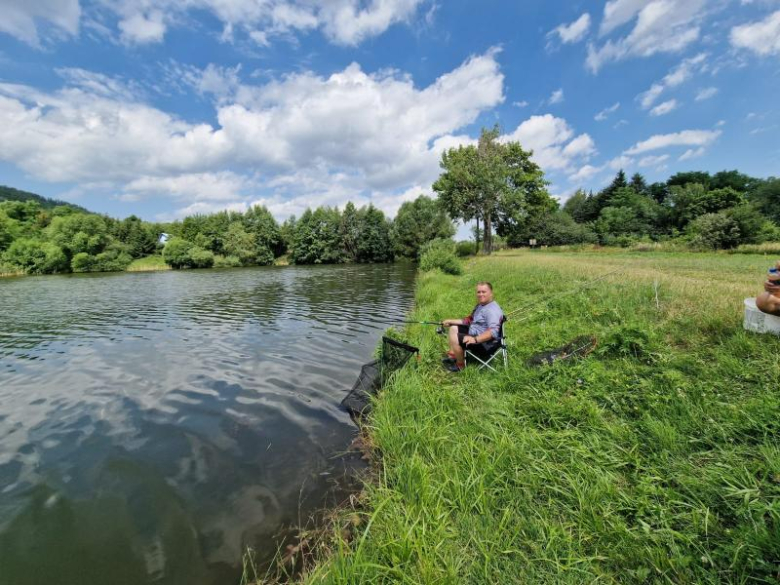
<point>654,460</point>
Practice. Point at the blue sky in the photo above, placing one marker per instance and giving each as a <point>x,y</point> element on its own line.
<point>173,107</point>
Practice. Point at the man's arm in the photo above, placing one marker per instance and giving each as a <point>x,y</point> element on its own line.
<point>451,322</point>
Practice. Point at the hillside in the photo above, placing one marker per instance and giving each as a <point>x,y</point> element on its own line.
<point>11,194</point>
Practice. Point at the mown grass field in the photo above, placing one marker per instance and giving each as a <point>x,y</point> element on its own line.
<point>654,460</point>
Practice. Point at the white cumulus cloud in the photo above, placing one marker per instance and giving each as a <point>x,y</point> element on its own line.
<point>761,37</point>
<point>353,132</point>
<point>660,26</point>
<point>20,17</point>
<point>556,97</point>
<point>553,141</point>
<point>677,76</point>
<point>573,32</point>
<point>706,93</point>
<point>684,138</point>
<point>604,114</point>
<point>664,108</point>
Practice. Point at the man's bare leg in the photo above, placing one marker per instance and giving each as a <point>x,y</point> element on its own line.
<point>768,303</point>
<point>455,347</point>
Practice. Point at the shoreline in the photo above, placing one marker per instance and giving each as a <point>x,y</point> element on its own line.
<point>573,472</point>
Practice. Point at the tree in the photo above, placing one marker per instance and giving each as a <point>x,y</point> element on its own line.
<point>177,253</point>
<point>556,228</point>
<point>37,257</point>
<point>241,244</point>
<point>578,207</point>
<point>682,179</point>
<point>689,202</point>
<point>494,183</point>
<point>79,232</point>
<point>629,214</point>
<point>639,185</point>
<point>259,221</point>
<point>418,222</point>
<point>6,231</point>
<point>374,244</point>
<point>140,237</point>
<point>766,196</point>
<point>317,237</point>
<point>734,180</point>
<point>350,231</point>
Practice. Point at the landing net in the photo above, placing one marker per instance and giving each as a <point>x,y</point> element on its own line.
<point>373,375</point>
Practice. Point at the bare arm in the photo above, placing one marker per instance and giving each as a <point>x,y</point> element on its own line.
<point>450,322</point>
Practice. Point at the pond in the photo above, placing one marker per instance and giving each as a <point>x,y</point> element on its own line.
<point>154,425</point>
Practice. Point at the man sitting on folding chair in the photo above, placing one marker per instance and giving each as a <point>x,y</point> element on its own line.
<point>478,335</point>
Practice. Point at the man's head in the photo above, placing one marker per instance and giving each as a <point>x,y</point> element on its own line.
<point>484,293</point>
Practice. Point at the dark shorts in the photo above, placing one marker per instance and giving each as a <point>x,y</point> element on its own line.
<point>463,330</point>
<point>488,346</point>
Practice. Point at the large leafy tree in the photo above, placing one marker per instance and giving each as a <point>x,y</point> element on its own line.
<point>417,223</point>
<point>766,196</point>
<point>374,244</point>
<point>317,237</point>
<point>493,182</point>
<point>259,222</point>
<point>694,199</point>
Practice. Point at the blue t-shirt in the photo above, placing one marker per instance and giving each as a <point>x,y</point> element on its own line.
<point>486,317</point>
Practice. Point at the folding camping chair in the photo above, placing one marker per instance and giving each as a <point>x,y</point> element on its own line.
<point>486,352</point>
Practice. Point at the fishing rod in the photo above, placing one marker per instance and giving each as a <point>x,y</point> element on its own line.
<point>529,306</point>
<point>536,304</point>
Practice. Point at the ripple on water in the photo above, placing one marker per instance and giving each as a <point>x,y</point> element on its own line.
<point>176,417</point>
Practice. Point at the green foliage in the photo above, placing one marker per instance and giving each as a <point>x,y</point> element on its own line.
<point>465,248</point>
<point>240,244</point>
<point>417,223</point>
<point>350,229</point>
<point>653,460</point>
<point>629,214</point>
<point>37,257</point>
<point>495,183</point>
<point>6,231</point>
<point>200,258</point>
<point>177,253</point>
<point>227,261</point>
<point>440,254</point>
<point>694,200</point>
<point>259,222</point>
<point>374,244</point>
<point>552,229</point>
<point>79,233</point>
<point>767,197</point>
<point>317,237</point>
<point>11,194</point>
<point>139,236</point>
<point>82,262</point>
<point>578,206</point>
<point>727,229</point>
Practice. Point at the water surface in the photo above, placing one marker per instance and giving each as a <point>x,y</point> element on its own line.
<point>153,425</point>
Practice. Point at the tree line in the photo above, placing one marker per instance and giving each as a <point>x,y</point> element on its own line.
<point>494,183</point>
<point>497,184</point>
<point>46,240</point>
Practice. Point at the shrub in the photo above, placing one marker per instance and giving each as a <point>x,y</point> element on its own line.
<point>465,248</point>
<point>200,258</point>
<point>727,229</point>
<point>36,257</point>
<point>440,254</point>
<point>82,262</point>
<point>226,261</point>
<point>177,253</point>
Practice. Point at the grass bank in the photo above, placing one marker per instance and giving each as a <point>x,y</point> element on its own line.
<point>148,263</point>
<point>655,459</point>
